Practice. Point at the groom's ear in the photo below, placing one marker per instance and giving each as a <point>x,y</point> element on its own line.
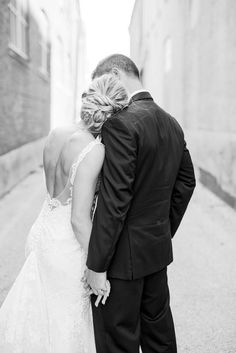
<point>116,72</point>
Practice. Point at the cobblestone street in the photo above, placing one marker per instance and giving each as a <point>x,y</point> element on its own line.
<point>202,277</point>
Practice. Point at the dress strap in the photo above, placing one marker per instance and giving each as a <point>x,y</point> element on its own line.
<point>81,157</point>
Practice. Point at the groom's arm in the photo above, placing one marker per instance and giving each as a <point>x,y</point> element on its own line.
<point>183,190</point>
<point>115,194</point>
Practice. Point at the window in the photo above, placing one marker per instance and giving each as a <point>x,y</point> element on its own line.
<point>19,27</point>
<point>168,54</point>
<point>44,44</point>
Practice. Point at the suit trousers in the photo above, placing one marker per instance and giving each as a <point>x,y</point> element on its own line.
<point>137,313</point>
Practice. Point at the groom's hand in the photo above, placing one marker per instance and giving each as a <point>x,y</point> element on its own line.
<point>97,281</point>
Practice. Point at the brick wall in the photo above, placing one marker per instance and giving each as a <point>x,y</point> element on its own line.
<point>24,91</point>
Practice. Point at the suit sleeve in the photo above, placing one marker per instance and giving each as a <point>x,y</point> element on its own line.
<point>183,190</point>
<point>115,195</point>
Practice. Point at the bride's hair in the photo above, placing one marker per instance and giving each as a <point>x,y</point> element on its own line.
<point>105,96</point>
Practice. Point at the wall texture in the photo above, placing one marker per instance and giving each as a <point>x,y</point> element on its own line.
<point>24,92</point>
<point>187,54</point>
<point>24,104</point>
<point>40,90</point>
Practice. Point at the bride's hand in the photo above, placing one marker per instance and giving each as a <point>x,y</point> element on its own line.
<point>97,281</point>
<point>107,293</point>
<point>104,296</point>
<point>93,285</point>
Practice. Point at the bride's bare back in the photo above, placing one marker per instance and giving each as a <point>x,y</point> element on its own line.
<point>62,150</point>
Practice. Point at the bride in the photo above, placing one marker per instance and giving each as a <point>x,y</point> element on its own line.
<point>48,308</point>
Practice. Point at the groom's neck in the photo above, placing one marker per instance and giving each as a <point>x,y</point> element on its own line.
<point>132,85</point>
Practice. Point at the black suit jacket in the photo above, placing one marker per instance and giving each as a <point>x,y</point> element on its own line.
<point>146,184</point>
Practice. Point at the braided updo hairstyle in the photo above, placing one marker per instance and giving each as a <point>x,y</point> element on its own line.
<point>105,96</point>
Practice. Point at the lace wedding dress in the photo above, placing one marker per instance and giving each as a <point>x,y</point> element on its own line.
<point>47,309</point>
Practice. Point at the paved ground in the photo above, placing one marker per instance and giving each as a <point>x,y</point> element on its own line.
<point>18,210</point>
<point>202,278</point>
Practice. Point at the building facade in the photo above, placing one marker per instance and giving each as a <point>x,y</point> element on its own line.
<point>39,78</point>
<point>68,59</point>
<point>186,51</point>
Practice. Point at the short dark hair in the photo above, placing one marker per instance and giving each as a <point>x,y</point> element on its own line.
<point>120,61</point>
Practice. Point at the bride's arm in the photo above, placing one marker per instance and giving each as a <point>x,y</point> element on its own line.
<point>83,194</point>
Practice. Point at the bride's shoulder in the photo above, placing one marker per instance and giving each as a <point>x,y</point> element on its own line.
<point>54,144</point>
<point>78,142</point>
<point>59,134</point>
<point>83,147</point>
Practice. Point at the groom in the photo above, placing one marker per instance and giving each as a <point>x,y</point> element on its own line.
<point>147,182</point>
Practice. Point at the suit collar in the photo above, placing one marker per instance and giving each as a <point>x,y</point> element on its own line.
<point>138,91</point>
<point>142,95</point>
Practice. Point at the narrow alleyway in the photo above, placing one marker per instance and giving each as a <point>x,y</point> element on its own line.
<point>202,277</point>
<point>18,210</point>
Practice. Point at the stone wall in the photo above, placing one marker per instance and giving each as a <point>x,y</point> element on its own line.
<point>24,104</point>
<point>194,78</point>
<point>24,91</point>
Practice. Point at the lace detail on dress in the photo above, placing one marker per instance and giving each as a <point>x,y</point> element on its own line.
<point>82,155</point>
<point>48,310</point>
<point>52,202</point>
<point>55,202</point>
<point>23,315</point>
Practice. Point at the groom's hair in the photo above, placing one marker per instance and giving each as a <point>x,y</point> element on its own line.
<point>119,61</point>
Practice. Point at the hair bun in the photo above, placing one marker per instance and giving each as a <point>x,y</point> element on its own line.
<point>106,96</point>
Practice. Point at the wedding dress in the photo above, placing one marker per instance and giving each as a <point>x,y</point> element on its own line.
<point>47,309</point>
